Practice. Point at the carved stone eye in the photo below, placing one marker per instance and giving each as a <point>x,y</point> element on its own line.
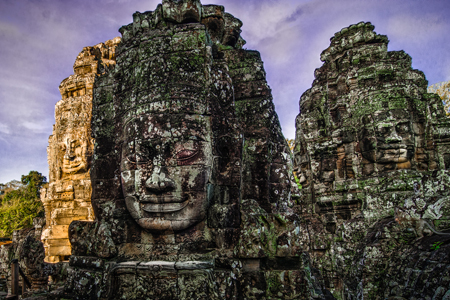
<point>186,156</point>
<point>402,128</point>
<point>146,151</point>
<point>140,152</point>
<point>384,130</point>
<point>131,158</point>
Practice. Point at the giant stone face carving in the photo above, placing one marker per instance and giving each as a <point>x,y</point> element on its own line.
<point>366,115</point>
<point>165,165</point>
<point>370,142</point>
<point>187,140</point>
<point>190,165</point>
<point>75,154</point>
<point>387,138</point>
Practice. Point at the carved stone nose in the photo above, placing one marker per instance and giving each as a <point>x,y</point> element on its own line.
<point>393,137</point>
<point>69,155</point>
<point>159,182</point>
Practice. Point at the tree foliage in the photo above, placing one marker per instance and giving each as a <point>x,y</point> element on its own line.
<point>443,90</point>
<point>33,182</point>
<point>20,205</point>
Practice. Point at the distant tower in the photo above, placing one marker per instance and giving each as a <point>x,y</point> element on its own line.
<point>70,149</point>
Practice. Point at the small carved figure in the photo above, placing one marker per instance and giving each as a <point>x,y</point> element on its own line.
<point>75,155</point>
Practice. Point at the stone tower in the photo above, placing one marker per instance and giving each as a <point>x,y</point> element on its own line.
<point>68,196</point>
<point>372,147</point>
<point>191,176</point>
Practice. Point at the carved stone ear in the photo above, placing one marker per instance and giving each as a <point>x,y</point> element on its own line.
<point>133,207</point>
<point>232,30</point>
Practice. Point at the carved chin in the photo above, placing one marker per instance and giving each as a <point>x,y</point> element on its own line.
<point>387,156</point>
<point>392,156</point>
<point>156,224</point>
<point>73,167</point>
<point>160,223</point>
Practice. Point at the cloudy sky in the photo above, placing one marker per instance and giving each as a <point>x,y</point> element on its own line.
<point>40,39</point>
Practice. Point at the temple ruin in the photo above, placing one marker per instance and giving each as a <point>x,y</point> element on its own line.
<point>171,178</point>
<point>372,154</point>
<point>70,150</point>
<point>191,174</point>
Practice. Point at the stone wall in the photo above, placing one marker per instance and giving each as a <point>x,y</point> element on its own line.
<point>13,250</point>
<point>9,252</point>
<point>70,149</point>
<point>372,154</point>
<point>28,249</point>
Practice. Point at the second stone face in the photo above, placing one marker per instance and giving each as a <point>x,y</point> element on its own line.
<point>68,196</point>
<point>367,114</point>
<point>371,154</point>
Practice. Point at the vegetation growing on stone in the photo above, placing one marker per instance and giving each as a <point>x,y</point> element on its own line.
<point>19,206</point>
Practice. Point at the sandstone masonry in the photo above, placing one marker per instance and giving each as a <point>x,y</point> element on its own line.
<point>70,149</point>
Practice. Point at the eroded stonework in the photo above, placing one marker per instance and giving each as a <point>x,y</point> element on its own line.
<point>372,155</point>
<point>70,149</point>
<point>27,248</point>
<point>191,174</point>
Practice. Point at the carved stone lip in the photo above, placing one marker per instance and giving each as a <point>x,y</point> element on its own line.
<point>161,198</point>
<point>164,207</point>
<point>73,166</point>
<point>397,155</point>
<point>394,150</point>
<point>386,146</point>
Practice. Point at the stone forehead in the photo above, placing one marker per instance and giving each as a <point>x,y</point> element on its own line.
<point>388,115</point>
<point>174,107</point>
<point>150,126</point>
<point>81,103</point>
<point>167,118</point>
<point>76,134</point>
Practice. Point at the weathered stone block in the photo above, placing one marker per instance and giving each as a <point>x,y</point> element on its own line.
<point>184,11</point>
